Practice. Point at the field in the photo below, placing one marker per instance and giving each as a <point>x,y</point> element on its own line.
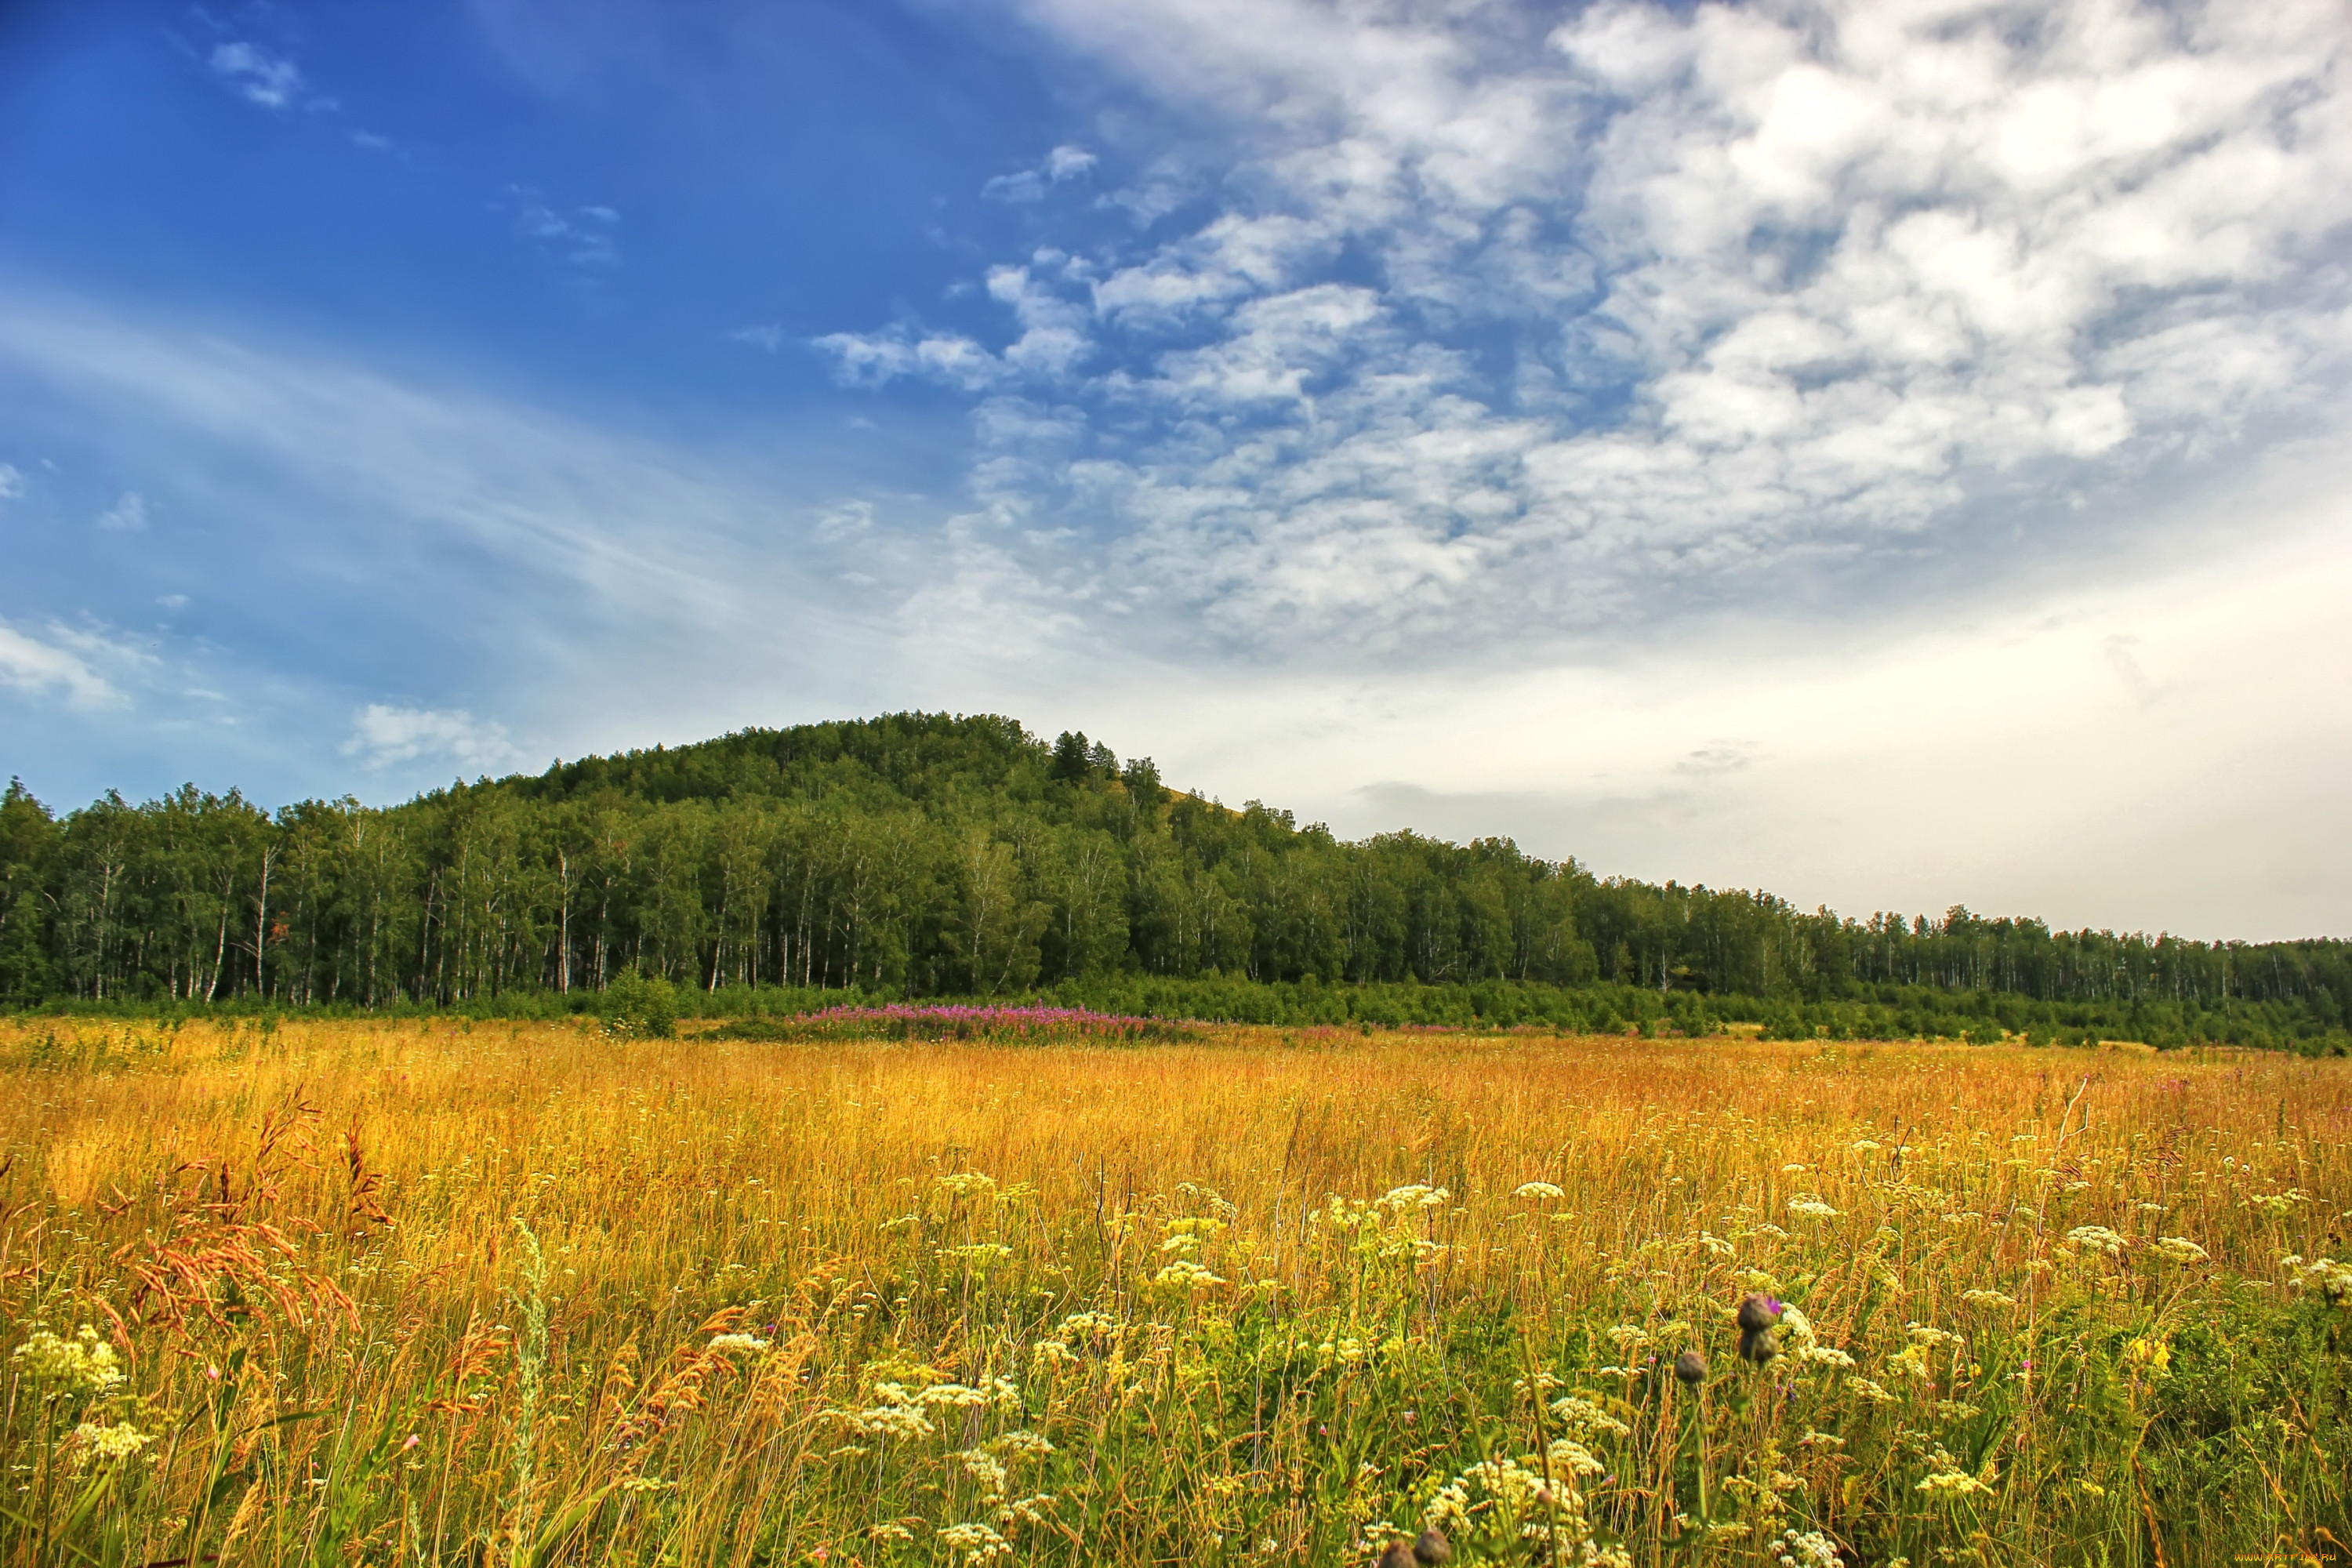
<point>440,1293</point>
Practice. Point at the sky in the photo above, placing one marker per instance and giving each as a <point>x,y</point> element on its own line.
<point>1892,454</point>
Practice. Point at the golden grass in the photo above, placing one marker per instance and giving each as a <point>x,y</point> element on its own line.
<point>764,1329</point>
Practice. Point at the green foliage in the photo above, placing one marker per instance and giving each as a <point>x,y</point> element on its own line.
<point>642,1005</point>
<point>928,854</point>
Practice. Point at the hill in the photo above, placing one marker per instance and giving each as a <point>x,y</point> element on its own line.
<point>923,854</point>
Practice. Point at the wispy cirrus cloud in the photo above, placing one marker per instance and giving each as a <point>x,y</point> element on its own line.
<point>68,663</point>
<point>585,239</point>
<point>1060,167</point>
<point>128,515</point>
<point>271,80</point>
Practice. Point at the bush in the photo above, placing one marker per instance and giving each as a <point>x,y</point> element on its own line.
<point>641,1005</point>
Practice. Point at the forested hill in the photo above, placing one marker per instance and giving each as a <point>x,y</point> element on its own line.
<point>921,854</point>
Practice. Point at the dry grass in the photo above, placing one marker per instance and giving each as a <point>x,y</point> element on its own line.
<point>433,1293</point>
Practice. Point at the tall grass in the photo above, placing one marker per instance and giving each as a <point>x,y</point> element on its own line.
<point>436,1292</point>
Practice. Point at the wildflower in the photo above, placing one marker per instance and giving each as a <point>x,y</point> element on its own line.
<point>1020,1444</point>
<point>1987,1298</point>
<point>1567,1455</point>
<point>1538,1190</point>
<point>1810,1549</point>
<point>967,1184</point>
<point>2097,1238</point>
<point>84,1364</point>
<point>2152,1356</point>
<point>1185,1275</point>
<point>1582,1418</point>
<point>976,1542</point>
<point>889,1421</point>
<point>1951,1484</point>
<point>1690,1368</point>
<point>2180,1250</point>
<point>737,1343</point>
<point>1759,1316</point>
<point>118,1441</point>
<point>2333,1279</point>
<point>1811,1207</point>
<point>984,1468</point>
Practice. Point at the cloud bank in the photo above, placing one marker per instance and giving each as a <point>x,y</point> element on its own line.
<point>1492,333</point>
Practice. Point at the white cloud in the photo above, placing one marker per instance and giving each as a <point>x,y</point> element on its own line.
<point>12,482</point>
<point>54,664</point>
<point>1664,305</point>
<point>587,238</point>
<point>260,77</point>
<point>384,736</point>
<point>1068,162</point>
<point>767,337</point>
<point>1063,164</point>
<point>128,515</point>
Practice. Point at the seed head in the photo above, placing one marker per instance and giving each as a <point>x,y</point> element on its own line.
<point>1758,1313</point>
<point>1433,1548</point>
<point>1399,1554</point>
<point>1691,1367</point>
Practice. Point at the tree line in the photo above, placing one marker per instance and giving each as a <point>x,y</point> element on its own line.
<point>928,854</point>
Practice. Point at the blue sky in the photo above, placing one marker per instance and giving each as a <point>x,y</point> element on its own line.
<point>1886,452</point>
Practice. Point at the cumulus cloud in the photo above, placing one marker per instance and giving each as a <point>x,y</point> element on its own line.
<point>1656,307</point>
<point>385,736</point>
<point>258,76</point>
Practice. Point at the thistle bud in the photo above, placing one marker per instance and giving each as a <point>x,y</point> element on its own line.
<point>1691,1368</point>
<point>1758,1313</point>
<point>1433,1548</point>
<point>1398,1554</point>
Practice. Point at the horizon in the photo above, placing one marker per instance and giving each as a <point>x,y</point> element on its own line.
<point>1893,459</point>
<point>1926,917</point>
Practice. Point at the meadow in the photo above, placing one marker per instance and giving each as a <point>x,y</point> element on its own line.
<point>901,1290</point>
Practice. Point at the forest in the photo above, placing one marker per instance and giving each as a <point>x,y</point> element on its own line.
<point>927,855</point>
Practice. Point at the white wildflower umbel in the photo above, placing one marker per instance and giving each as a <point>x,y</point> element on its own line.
<point>1184,1277</point>
<point>748,1343</point>
<point>118,1441</point>
<point>79,1367</point>
<point>1807,1549</point>
<point>975,1542</point>
<point>2097,1238</point>
<point>1538,1190</point>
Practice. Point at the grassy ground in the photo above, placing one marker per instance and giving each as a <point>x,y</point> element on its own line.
<point>430,1292</point>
